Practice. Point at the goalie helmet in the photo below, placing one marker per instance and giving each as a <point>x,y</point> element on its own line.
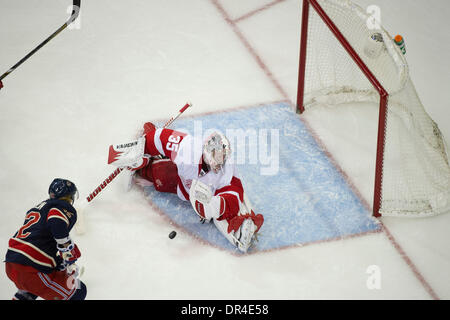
<point>62,188</point>
<point>216,151</point>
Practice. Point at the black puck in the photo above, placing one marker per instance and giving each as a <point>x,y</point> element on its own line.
<point>172,234</point>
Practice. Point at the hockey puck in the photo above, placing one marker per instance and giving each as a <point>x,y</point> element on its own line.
<point>172,234</point>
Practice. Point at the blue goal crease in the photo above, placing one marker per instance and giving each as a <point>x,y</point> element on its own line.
<point>286,175</point>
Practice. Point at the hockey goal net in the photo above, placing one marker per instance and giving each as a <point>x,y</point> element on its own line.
<point>344,61</point>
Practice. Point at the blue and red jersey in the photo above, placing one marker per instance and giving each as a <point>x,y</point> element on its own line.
<point>34,244</point>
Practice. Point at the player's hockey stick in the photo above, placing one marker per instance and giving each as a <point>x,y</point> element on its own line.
<point>73,17</point>
<point>80,225</point>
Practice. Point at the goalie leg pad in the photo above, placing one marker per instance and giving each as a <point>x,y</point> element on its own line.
<point>243,237</point>
<point>146,173</point>
<point>247,230</point>
<point>163,173</point>
<point>222,226</point>
<point>148,127</point>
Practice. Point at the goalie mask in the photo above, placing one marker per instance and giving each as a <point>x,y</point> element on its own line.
<point>216,151</point>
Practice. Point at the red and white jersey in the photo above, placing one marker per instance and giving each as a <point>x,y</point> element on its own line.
<point>186,152</point>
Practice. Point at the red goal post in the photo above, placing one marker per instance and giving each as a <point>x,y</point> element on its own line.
<point>339,27</point>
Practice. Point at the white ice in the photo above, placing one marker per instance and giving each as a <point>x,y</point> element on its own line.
<point>131,61</point>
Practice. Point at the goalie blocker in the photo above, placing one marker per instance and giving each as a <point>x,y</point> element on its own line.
<point>197,171</point>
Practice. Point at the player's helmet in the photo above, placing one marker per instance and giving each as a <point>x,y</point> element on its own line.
<point>62,188</point>
<point>216,151</point>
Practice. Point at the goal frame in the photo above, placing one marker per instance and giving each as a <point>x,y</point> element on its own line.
<point>384,96</point>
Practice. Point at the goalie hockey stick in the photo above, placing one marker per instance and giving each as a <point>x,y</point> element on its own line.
<point>113,175</point>
<point>73,17</point>
<point>80,225</point>
<point>171,120</point>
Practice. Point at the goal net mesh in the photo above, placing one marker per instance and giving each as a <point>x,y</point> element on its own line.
<point>415,166</point>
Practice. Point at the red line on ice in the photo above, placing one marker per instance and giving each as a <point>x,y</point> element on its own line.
<point>250,48</point>
<point>253,12</point>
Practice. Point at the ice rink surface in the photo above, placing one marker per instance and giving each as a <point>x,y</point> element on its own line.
<point>125,63</point>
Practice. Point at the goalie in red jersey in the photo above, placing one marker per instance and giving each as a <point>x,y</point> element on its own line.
<point>196,170</point>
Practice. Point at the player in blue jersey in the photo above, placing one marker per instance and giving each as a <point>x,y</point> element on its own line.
<point>41,255</point>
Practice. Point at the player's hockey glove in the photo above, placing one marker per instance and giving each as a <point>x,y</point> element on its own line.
<point>69,253</point>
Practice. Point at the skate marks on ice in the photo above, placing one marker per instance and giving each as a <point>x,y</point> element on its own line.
<point>288,178</point>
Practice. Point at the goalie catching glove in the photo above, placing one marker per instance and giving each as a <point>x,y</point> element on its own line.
<point>204,203</point>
